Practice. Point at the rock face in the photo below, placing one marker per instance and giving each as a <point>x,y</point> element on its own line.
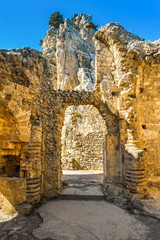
<point>75,57</point>
<point>75,53</point>
<point>32,112</point>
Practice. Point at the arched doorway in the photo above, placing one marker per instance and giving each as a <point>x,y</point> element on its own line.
<point>83,135</point>
<point>59,101</point>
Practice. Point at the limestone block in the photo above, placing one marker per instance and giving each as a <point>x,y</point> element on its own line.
<point>113,163</point>
<point>14,189</point>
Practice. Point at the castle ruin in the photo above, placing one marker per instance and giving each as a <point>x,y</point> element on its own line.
<point>116,76</point>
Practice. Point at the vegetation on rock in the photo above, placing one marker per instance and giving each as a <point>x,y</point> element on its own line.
<point>56,19</point>
<point>41,42</point>
<point>92,25</point>
<point>73,19</point>
<point>54,47</point>
<point>89,25</point>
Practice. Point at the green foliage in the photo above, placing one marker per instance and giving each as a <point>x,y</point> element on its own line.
<point>55,19</point>
<point>41,42</point>
<point>148,43</point>
<point>73,19</point>
<point>92,25</point>
<point>54,47</point>
<point>89,25</point>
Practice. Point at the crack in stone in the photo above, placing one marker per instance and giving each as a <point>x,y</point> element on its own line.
<point>88,231</point>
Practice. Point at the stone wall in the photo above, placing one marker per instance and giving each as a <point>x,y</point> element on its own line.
<point>53,111</point>
<point>83,135</point>
<point>22,72</point>
<point>131,75</point>
<point>14,190</point>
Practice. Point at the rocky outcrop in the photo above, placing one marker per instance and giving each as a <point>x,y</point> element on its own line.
<point>72,50</point>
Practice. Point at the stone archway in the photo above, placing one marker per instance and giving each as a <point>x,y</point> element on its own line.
<point>59,101</point>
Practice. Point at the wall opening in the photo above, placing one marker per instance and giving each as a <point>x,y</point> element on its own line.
<point>82,138</point>
<point>10,166</point>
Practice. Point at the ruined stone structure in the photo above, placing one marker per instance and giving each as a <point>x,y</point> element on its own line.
<point>32,110</point>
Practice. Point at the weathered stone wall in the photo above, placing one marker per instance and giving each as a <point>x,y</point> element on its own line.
<point>132,78</point>
<point>53,109</point>
<point>14,190</point>
<point>21,75</point>
<point>83,135</point>
<point>148,114</point>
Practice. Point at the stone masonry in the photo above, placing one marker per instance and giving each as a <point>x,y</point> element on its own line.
<point>83,135</point>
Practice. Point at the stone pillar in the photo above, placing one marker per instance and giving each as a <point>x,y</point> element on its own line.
<point>104,159</point>
<point>135,174</point>
<point>32,168</point>
<point>112,160</point>
<point>52,154</point>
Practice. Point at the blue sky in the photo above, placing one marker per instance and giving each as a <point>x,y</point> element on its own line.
<point>24,23</point>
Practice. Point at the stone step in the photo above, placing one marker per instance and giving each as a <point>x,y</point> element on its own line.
<point>93,193</point>
<point>81,197</point>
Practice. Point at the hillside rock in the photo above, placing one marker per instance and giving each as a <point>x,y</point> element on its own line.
<point>71,50</point>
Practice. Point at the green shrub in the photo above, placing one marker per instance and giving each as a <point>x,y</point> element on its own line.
<point>54,47</point>
<point>41,42</point>
<point>55,19</point>
<point>92,25</point>
<point>148,43</point>
<point>73,19</point>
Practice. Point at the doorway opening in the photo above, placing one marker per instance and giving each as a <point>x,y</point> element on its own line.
<point>10,166</point>
<point>82,138</point>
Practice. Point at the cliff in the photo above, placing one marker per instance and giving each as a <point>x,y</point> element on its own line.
<point>72,51</point>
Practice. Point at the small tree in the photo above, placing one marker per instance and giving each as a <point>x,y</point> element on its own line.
<point>55,19</point>
<point>41,42</point>
<point>73,19</point>
<point>92,25</point>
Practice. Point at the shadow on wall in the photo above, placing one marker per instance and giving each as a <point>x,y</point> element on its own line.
<point>12,187</point>
<point>10,146</point>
